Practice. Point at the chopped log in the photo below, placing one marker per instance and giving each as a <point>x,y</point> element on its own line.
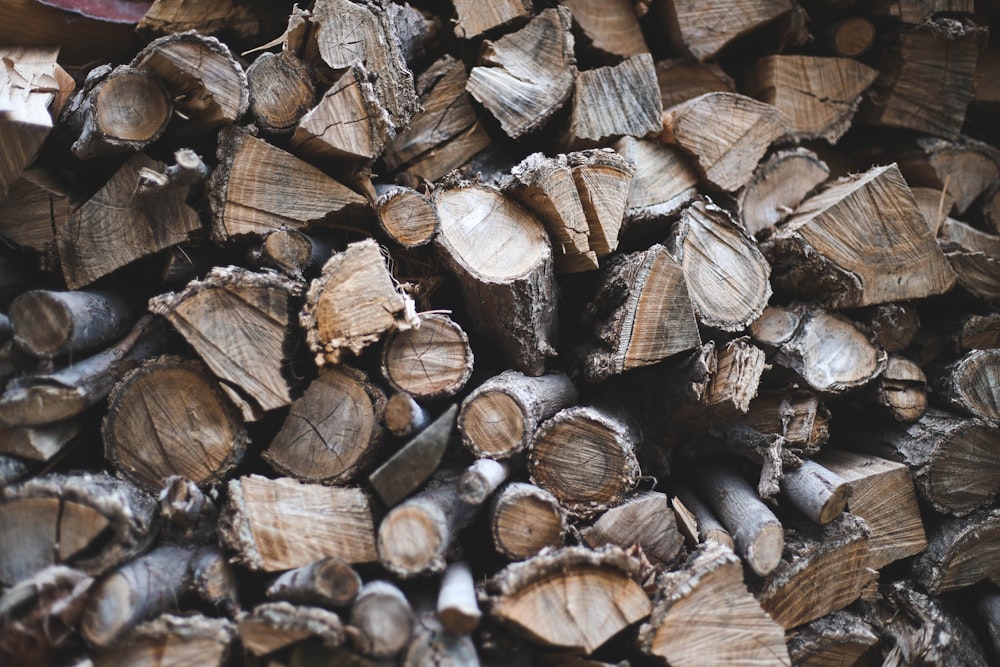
<point>840,638</point>
<point>40,443</point>
<point>433,644</point>
<point>430,361</point>
<point>893,259</point>
<point>954,233</point>
<point>681,79</point>
<point>247,198</point>
<point>901,390</point>
<point>403,416</point>
<point>353,302</point>
<point>702,31</point>
<point>291,252</point>
<point>173,640</point>
<point>333,432</point>
<point>603,178</point>
<point>37,204</point>
<point>851,37</point>
<point>977,273</point>
<point>406,216</point>
<point>446,134</point>
<point>934,204</point>
<point>926,77</point>
<point>481,479</point>
<point>273,626</point>
<point>964,168</point>
<point>644,314</point>
<point>817,492</point>
<point>663,183</point>
<point>117,226</point>
<point>725,159</point>
<point>505,270</point>
<point>726,274</point>
<point>805,338</point>
<point>280,524</point>
<point>696,520</point>
<point>893,325</point>
<point>644,519</point>
<point>960,552</point>
<point>457,607</point>
<point>172,16</point>
<point>526,76</point>
<point>953,459</point>
<point>91,522</point>
<point>778,186</point>
<point>40,616</point>
<point>415,535</point>
<point>525,519</point>
<point>381,620</point>
<point>48,323</point>
<point>415,462</point>
<point>573,598</point>
<point>972,384</point>
<point>169,417</point>
<point>977,332</point>
<point>208,86</point>
<point>281,91</point>
<point>757,533</point>
<point>825,570</point>
<point>42,398</point>
<point>616,101</point>
<point>238,323</point>
<point>585,456</point>
<point>609,28</point>
<point>327,582</point>
<point>498,418</point>
<point>416,31</point>
<point>473,19</point>
<point>734,382</point>
<point>705,615</point>
<point>819,95</point>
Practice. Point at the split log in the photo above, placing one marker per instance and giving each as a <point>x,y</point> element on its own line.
<point>381,620</point>
<point>206,83</point>
<point>963,168</point>
<point>415,462</point>
<point>48,323</point>
<point>40,443</point>
<point>90,522</point>
<point>500,416</point>
<point>616,101</point>
<point>954,233</point>
<point>702,31</point>
<point>705,615</point>
<point>805,338</point>
<point>333,432</point>
<point>281,91</point>
<point>585,456</point>
<point>934,204</point>
<point>328,582</point>
<point>609,28</point>
<point>819,95</point>
<point>417,31</point>
<point>406,216</point>
<point>972,384</point>
<point>473,19</point>
<point>778,186</point>
<point>696,520</point>
<point>726,274</point>
<point>840,638</point>
<point>238,323</point>
<point>118,226</point>
<point>457,607</point>
<point>273,626</point>
<point>603,179</point>
<point>37,204</point>
<point>681,79</point>
<point>432,360</point>
<point>526,76</point>
<point>169,417</point>
<point>901,390</point>
<point>265,522</point>
<point>228,16</point>
<point>739,366</point>
<point>643,311</point>
<point>353,302</point>
<point>892,256</point>
<point>644,519</point>
<point>291,252</point>
<point>725,160</point>
<point>817,492</point>
<point>664,181</point>
<point>173,640</point>
<point>525,519</point>
<point>573,598</point>
<point>505,270</point>
<point>960,552</point>
<point>757,533</point>
<point>977,273</point>
<point>893,326</point>
<point>41,614</point>
<point>403,416</point>
<point>433,644</point>
<point>481,479</point>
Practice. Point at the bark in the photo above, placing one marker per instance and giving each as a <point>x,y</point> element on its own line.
<point>414,463</point>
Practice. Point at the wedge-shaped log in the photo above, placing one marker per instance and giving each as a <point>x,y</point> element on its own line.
<point>960,552</point>
<point>703,30</point>
<point>173,640</point>
<point>972,384</point>
<point>272,626</point>
<point>416,461</point>
<point>840,638</point>
<point>664,181</point>
<point>644,519</point>
<point>610,28</point>
<point>778,186</point>
<point>611,102</point>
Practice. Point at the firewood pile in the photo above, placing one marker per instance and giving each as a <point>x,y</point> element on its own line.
<point>571,333</point>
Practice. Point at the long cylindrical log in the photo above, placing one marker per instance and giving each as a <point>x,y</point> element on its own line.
<point>48,323</point>
<point>818,493</point>
<point>430,361</point>
<point>525,519</point>
<point>406,216</point>
<point>329,582</point>
<point>381,620</point>
<point>457,608</point>
<point>281,91</point>
<point>481,479</point>
<point>696,520</point>
<point>403,416</point>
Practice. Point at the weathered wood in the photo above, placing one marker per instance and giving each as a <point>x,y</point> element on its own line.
<point>524,519</point>
<point>702,31</point>
<point>609,28</point>
<point>840,638</point>
<point>916,11</point>
<point>960,552</point>
<point>406,216</point>
<point>696,520</point>
<point>893,326</point>
<point>416,461</point>
<point>457,608</point>
<point>281,91</point>
<point>778,186</point>
<point>481,479</point>
<point>615,101</point>
<point>37,204</point>
<point>381,620</point>
<point>272,626</point>
<point>976,272</point>
<point>430,361</point>
<point>901,390</point>
<point>603,178</point>
<point>434,644</point>
<point>291,252</point>
<point>971,384</point>
<point>963,168</point>
<point>663,183</point>
<point>403,416</point>
<point>49,323</point>
<point>227,16</point>
<point>681,79</point>
<point>956,234</point>
<point>817,492</point>
<point>473,19</point>
<point>41,443</point>
<point>40,616</point>
<point>327,582</point>
<point>644,519</point>
<point>173,640</point>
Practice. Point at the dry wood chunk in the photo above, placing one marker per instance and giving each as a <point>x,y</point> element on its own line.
<point>955,234</point>
<point>902,389</point>
<point>664,181</point>
<point>610,28</point>
<point>281,91</point>
<point>327,582</point>
<point>404,416</point>
<point>893,326</point>
<point>819,95</point>
<point>524,519</point>
<point>702,29</point>
<point>273,626</point>
<point>816,491</point>
<point>292,252</point>
<point>434,644</point>
<point>972,384</point>
<point>526,76</point>
<point>279,524</point>
<point>644,519</point>
<point>644,312</point>
<point>964,168</point>
<point>739,366</point>
<point>173,640</point>
<point>406,216</point>
<point>695,519</point>
<point>934,205</point>
<point>40,616</point>
<point>353,302</point>
<point>726,274</point>
<point>206,83</point>
<point>977,273</point>
<point>726,154</point>
<point>333,432</point>
<point>381,620</point>
<point>603,179</point>
<point>681,79</point>
<point>840,638</point>
<point>616,101</point>
<point>118,225</point>
<point>704,615</point>
<point>169,417</point>
<point>40,443</point>
<point>978,332</point>
<point>572,598</point>
<point>416,461</point>
<point>229,16</point>
<point>778,186</point>
<point>258,188</point>
<point>238,322</point>
<point>504,268</point>
<point>960,552</point>
<point>35,207</point>
<point>430,361</point>
<point>475,18</point>
<point>48,323</point>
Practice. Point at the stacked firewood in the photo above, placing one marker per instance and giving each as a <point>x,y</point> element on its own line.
<point>576,332</point>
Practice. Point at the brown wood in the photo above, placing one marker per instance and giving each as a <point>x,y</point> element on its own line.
<point>840,638</point>
<point>414,463</point>
<point>473,19</point>
<point>35,206</point>
<point>327,582</point>
<point>49,323</point>
<point>406,216</point>
<point>481,479</point>
<point>977,273</point>
<point>281,91</point>
<point>778,186</point>
<point>663,183</point>
<point>934,204</point>
<point>403,416</point>
<point>960,552</point>
<point>433,644</point>
<point>644,519</point>
<point>696,520</point>
<point>615,101</point>
<point>292,252</point>
<point>703,31</point>
<point>171,640</point>
<point>41,443</point>
<point>901,390</point>
<point>381,620</point>
<point>816,491</point>
<point>893,326</point>
<point>609,28</point>
<point>963,168</point>
<point>525,519</point>
<point>272,626</point>
<point>40,614</point>
<point>432,360</point>
<point>173,16</point>
<point>971,384</point>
